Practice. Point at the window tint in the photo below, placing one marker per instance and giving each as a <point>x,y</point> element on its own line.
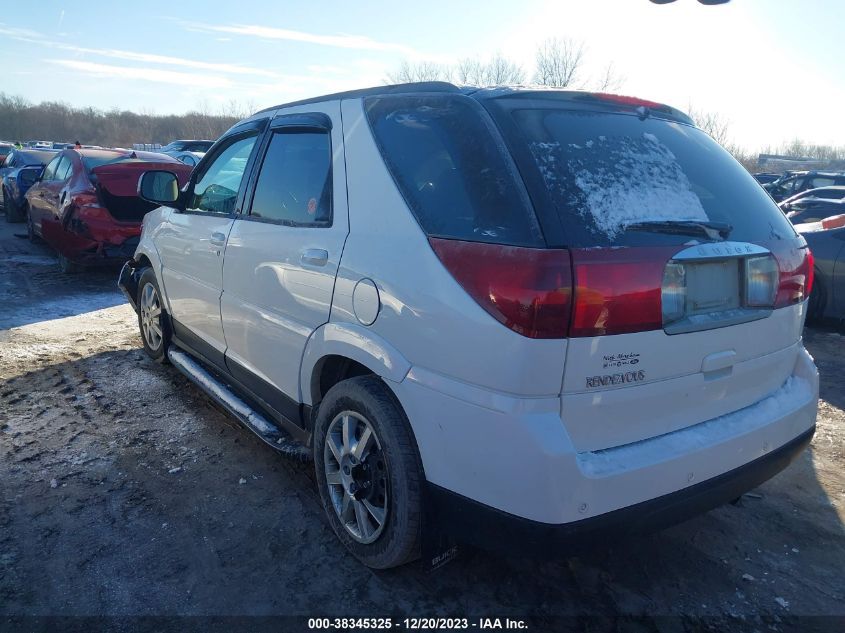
<point>217,189</point>
<point>821,181</point>
<point>451,168</point>
<point>50,169</point>
<point>63,169</point>
<point>295,183</point>
<point>601,173</point>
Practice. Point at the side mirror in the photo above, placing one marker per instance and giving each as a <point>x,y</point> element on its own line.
<point>30,176</point>
<point>159,187</point>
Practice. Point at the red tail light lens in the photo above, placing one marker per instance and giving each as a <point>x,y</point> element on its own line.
<point>527,289</point>
<point>796,275</point>
<point>618,291</point>
<point>622,99</point>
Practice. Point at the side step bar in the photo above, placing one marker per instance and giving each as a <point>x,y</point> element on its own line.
<point>249,417</point>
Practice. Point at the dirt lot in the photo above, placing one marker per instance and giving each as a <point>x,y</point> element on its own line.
<point>123,492</point>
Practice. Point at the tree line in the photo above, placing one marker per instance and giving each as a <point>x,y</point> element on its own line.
<point>21,120</point>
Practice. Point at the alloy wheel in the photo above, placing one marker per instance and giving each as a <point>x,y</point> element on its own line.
<point>151,317</point>
<point>356,475</point>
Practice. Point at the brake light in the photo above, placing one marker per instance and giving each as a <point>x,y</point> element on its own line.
<point>621,99</point>
<point>528,290</point>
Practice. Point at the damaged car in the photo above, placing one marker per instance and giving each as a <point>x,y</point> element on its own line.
<point>85,204</point>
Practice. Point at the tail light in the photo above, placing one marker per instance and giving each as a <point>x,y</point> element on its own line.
<point>796,275</point>
<point>527,289</point>
<point>762,279</point>
<point>555,293</point>
<point>618,291</point>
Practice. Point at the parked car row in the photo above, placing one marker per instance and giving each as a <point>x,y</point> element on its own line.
<point>795,182</point>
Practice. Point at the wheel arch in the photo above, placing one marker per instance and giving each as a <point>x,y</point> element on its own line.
<point>337,351</point>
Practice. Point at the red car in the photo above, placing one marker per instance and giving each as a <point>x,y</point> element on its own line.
<point>86,204</point>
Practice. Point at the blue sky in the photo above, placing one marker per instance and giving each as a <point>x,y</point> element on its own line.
<point>773,68</point>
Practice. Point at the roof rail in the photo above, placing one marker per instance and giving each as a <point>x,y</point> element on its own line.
<point>420,86</point>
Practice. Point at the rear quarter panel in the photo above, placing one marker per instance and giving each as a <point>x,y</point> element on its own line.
<point>424,313</point>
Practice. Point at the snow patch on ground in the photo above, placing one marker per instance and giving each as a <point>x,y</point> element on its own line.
<point>18,315</point>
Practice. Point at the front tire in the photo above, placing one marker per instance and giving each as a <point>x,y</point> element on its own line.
<point>369,472</point>
<point>152,317</point>
<point>30,227</point>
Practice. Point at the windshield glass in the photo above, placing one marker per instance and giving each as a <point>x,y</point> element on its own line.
<point>603,173</point>
<point>36,158</point>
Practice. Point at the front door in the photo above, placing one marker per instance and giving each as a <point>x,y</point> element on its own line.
<point>282,256</point>
<point>191,245</point>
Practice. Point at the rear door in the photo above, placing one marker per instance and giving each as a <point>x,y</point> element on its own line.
<point>192,241</point>
<point>688,279</point>
<point>282,256</point>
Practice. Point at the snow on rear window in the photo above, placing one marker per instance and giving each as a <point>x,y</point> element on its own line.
<point>621,180</point>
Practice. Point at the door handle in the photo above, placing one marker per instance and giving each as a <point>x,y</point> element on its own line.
<point>218,239</point>
<point>315,256</point>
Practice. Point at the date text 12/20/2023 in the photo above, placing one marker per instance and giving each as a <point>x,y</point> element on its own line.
<point>417,624</point>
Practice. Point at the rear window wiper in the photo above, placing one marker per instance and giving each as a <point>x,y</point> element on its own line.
<point>711,230</point>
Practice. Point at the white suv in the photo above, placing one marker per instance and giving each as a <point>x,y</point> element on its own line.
<point>511,315</point>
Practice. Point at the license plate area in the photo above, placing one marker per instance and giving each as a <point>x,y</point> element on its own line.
<point>708,287</point>
<point>713,287</point>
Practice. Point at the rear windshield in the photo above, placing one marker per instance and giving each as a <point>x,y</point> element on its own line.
<point>601,173</point>
<point>37,158</point>
<point>445,156</point>
<point>92,162</point>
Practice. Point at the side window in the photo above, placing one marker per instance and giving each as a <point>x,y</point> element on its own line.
<point>294,186</point>
<point>821,182</point>
<point>50,169</point>
<point>9,161</point>
<point>216,191</point>
<point>63,170</point>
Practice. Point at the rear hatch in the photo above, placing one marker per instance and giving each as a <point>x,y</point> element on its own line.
<point>676,280</point>
<point>116,184</point>
<point>687,280</point>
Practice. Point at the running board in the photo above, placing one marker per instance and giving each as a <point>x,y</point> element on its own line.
<point>246,415</point>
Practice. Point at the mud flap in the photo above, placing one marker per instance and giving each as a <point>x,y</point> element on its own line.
<point>437,547</point>
<point>128,283</point>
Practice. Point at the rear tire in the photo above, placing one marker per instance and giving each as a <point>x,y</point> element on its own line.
<point>13,211</point>
<point>30,227</point>
<point>817,302</point>
<point>372,496</point>
<point>153,321</point>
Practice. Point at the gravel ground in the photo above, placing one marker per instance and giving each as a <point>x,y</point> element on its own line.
<point>124,492</point>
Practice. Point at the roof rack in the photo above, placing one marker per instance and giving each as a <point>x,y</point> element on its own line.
<point>420,86</point>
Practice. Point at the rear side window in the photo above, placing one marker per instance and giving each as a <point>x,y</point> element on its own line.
<point>452,170</point>
<point>601,173</point>
<point>294,186</point>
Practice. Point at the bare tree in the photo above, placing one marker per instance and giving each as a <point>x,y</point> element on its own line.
<point>420,71</point>
<point>498,71</point>
<point>713,123</point>
<point>610,80</point>
<point>558,62</point>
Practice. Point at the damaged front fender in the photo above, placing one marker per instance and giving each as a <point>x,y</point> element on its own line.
<point>130,274</point>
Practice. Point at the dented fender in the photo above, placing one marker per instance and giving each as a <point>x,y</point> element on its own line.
<point>352,341</point>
